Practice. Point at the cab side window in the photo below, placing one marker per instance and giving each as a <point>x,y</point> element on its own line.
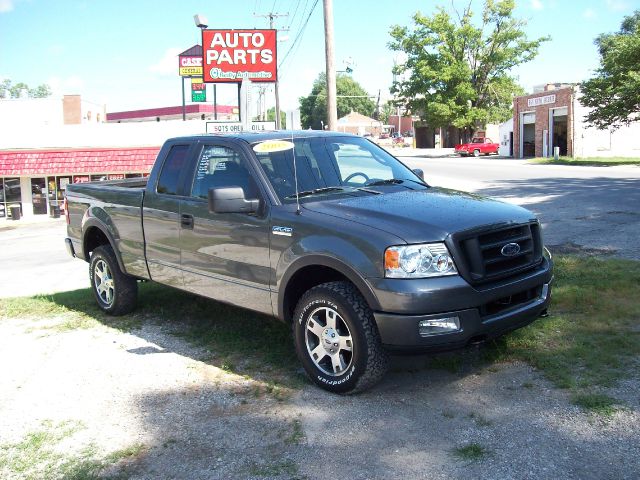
<point>221,167</point>
<point>170,173</point>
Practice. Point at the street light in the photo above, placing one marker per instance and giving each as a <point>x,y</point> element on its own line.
<point>200,21</point>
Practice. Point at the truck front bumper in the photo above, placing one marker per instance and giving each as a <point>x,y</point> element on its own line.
<point>479,315</point>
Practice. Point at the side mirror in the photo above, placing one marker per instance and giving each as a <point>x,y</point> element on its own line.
<point>419,172</point>
<point>231,200</point>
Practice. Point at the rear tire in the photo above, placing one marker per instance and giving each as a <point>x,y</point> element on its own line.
<point>337,340</point>
<point>116,293</point>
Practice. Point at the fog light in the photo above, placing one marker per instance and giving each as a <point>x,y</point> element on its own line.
<point>437,326</point>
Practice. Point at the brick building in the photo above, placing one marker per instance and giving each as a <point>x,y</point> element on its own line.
<point>542,121</point>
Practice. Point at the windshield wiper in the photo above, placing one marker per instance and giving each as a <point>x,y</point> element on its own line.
<point>315,191</point>
<point>390,181</point>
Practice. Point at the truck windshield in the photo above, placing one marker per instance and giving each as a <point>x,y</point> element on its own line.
<point>331,166</point>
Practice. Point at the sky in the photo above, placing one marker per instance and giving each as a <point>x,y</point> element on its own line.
<point>124,53</point>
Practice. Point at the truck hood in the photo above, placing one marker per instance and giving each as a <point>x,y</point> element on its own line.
<point>428,215</point>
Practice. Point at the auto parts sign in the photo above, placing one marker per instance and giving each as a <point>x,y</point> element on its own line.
<point>233,55</point>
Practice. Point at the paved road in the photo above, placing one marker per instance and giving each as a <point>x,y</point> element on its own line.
<point>33,260</point>
<point>591,207</point>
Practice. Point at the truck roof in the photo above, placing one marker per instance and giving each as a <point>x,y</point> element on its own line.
<point>251,137</point>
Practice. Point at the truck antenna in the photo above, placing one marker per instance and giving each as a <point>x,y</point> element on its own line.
<point>295,175</point>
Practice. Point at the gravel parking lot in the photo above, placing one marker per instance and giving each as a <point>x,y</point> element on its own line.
<point>186,418</point>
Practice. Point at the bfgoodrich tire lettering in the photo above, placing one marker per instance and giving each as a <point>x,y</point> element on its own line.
<point>115,292</point>
<point>337,340</point>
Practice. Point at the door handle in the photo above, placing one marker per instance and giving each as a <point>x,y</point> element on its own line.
<point>186,221</point>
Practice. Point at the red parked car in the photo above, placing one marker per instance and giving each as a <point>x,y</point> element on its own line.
<point>478,146</point>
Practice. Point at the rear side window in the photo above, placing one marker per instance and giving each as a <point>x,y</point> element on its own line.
<point>173,165</point>
<point>220,166</point>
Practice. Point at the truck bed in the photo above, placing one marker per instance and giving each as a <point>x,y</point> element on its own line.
<point>118,205</point>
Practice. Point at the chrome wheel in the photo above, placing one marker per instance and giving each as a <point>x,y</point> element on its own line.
<point>328,341</point>
<point>103,282</point>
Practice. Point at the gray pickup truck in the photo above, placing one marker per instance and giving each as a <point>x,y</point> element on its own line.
<point>325,231</point>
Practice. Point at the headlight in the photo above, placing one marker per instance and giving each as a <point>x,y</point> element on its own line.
<point>418,261</point>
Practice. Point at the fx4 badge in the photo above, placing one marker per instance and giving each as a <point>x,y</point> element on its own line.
<point>285,231</point>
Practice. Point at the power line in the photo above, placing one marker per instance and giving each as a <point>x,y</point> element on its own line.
<point>295,12</point>
<point>300,33</point>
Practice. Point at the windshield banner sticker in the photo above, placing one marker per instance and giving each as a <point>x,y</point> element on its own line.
<point>273,146</point>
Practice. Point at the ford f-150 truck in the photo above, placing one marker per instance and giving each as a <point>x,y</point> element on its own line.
<point>477,146</point>
<point>325,231</point>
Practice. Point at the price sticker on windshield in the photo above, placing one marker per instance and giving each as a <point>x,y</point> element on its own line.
<point>271,146</point>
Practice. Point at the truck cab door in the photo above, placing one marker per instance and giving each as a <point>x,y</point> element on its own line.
<point>225,256</point>
<point>161,216</point>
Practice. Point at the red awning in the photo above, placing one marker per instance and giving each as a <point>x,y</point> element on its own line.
<point>68,161</point>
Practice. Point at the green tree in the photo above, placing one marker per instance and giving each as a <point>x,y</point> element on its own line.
<point>41,91</point>
<point>614,91</point>
<point>388,109</point>
<point>271,117</point>
<point>457,69</point>
<point>351,97</point>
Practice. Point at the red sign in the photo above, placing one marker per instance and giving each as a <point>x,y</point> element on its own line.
<point>233,55</point>
<point>189,65</point>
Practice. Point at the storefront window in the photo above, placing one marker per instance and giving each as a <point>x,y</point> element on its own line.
<point>12,194</point>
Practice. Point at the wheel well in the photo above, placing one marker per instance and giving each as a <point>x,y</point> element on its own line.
<point>92,240</point>
<point>303,280</point>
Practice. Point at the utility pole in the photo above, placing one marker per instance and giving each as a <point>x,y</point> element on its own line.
<point>271,16</point>
<point>332,108</point>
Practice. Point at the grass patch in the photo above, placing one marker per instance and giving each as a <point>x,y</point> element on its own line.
<point>296,435</point>
<point>43,454</point>
<point>276,469</point>
<point>471,452</point>
<point>589,161</point>
<point>72,310</point>
<point>596,403</point>
<point>592,337</point>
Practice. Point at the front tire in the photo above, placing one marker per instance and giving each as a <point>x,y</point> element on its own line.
<point>337,340</point>
<point>476,153</point>
<point>115,292</point>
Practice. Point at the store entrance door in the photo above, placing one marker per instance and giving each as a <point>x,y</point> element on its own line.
<point>39,196</point>
<point>559,132</point>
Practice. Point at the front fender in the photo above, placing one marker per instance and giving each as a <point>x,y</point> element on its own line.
<point>334,253</point>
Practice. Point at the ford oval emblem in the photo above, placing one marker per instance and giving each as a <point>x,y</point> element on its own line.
<point>510,249</point>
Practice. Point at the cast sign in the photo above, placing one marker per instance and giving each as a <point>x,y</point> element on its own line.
<point>233,55</point>
<point>190,65</point>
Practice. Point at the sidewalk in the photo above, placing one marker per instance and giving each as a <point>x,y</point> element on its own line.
<point>9,224</point>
